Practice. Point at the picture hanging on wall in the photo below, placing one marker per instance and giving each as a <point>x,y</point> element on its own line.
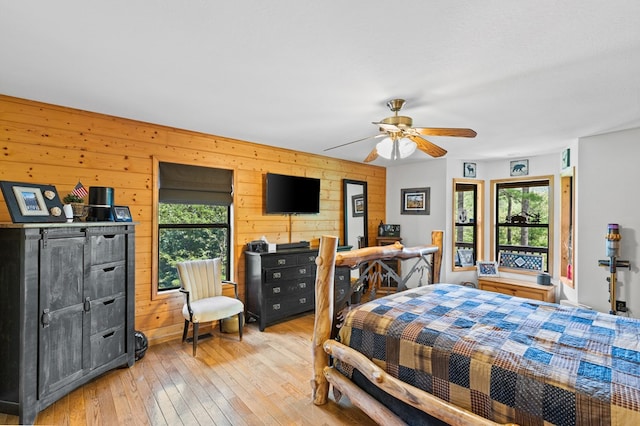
<point>469,170</point>
<point>566,158</point>
<point>357,205</point>
<point>519,168</point>
<point>415,201</point>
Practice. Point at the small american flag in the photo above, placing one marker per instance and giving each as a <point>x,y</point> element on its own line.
<point>80,190</point>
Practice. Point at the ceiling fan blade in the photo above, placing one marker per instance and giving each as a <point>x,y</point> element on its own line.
<point>372,155</point>
<point>428,147</point>
<point>359,140</point>
<point>443,131</point>
<point>387,127</point>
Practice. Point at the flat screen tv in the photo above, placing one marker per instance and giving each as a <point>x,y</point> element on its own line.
<point>291,194</point>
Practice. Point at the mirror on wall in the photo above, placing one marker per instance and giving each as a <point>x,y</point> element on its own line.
<point>355,213</point>
<point>468,231</point>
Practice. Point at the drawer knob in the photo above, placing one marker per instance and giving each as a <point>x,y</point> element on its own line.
<point>276,289</point>
<point>276,306</point>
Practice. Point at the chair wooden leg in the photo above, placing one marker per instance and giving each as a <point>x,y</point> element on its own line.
<point>240,324</point>
<point>195,337</point>
<point>185,331</point>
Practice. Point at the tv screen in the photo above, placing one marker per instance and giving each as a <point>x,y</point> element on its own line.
<point>291,194</point>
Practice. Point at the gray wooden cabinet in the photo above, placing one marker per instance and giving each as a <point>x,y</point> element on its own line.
<point>66,309</point>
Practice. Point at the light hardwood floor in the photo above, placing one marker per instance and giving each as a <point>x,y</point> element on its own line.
<point>263,380</point>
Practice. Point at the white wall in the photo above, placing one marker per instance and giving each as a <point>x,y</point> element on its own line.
<point>439,174</point>
<point>416,229</point>
<point>605,167</point>
<point>607,192</point>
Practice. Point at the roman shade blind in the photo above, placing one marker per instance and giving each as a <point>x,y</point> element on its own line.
<point>185,184</point>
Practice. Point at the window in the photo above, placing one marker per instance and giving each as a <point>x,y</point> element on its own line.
<point>190,231</point>
<point>193,219</point>
<point>467,223</point>
<point>521,212</point>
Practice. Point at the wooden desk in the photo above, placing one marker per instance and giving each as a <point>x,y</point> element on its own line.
<point>545,293</point>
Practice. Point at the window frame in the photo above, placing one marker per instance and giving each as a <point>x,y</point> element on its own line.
<point>477,224</point>
<point>550,228</point>
<point>155,230</point>
<point>226,226</point>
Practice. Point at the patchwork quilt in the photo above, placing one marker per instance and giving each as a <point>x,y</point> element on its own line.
<point>505,358</point>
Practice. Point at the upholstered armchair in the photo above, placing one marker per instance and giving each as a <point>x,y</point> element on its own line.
<point>201,282</point>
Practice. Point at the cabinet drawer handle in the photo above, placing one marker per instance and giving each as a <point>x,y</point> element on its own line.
<point>282,261</point>
<point>276,289</point>
<point>87,304</point>
<point>109,236</point>
<point>302,285</point>
<point>303,300</point>
<point>108,302</point>
<point>302,270</point>
<point>106,336</point>
<point>276,306</point>
<point>340,277</point>
<point>277,275</point>
<point>110,269</point>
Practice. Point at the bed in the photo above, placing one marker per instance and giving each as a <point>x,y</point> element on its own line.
<point>458,355</point>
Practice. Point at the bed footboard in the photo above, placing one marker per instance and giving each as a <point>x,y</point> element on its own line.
<point>323,345</point>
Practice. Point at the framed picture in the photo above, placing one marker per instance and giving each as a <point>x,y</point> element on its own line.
<point>519,168</point>
<point>121,214</point>
<point>469,170</point>
<point>32,203</point>
<point>487,268</point>
<point>566,158</point>
<point>415,201</point>
<point>466,257</point>
<point>357,205</point>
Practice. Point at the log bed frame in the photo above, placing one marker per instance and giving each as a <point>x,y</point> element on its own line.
<point>323,344</point>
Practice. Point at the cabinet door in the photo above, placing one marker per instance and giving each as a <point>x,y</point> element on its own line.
<point>64,325</point>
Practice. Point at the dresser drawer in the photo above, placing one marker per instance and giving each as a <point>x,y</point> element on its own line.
<point>277,261</point>
<point>107,313</point>
<point>286,288</point>
<point>107,346</point>
<point>292,273</point>
<point>107,280</point>
<point>284,307</point>
<point>107,248</point>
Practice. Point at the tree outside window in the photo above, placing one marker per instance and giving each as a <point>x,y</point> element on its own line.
<point>522,213</point>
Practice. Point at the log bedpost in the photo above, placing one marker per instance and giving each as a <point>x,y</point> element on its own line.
<point>325,262</point>
<point>436,240</point>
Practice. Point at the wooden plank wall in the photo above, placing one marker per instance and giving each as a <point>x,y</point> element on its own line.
<point>49,144</point>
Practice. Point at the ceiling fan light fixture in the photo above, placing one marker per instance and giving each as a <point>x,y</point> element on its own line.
<point>394,149</point>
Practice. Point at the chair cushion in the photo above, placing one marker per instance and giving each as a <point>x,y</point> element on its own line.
<point>213,308</point>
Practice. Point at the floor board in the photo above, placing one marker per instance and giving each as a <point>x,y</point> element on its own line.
<point>262,380</point>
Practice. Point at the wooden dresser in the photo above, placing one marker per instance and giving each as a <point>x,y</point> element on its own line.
<point>513,287</point>
<point>281,285</point>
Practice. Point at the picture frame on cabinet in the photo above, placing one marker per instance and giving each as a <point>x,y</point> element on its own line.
<point>469,170</point>
<point>487,268</point>
<point>28,203</point>
<point>415,201</point>
<point>121,214</point>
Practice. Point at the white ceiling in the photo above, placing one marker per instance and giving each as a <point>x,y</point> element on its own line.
<point>529,76</point>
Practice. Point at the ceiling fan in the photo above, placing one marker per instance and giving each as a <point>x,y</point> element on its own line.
<point>400,139</point>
